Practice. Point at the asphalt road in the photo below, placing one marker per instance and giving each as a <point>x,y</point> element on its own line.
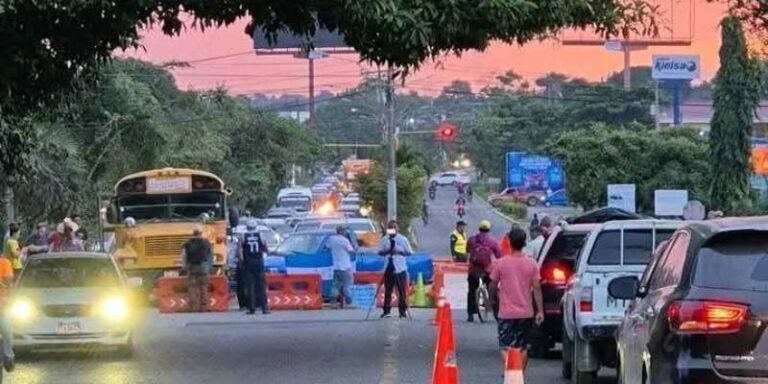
<point>295,347</point>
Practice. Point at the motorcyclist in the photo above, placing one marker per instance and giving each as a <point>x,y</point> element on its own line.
<point>424,211</point>
<point>432,191</point>
<point>469,192</point>
<point>461,203</point>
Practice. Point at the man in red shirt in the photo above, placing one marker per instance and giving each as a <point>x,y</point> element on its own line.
<point>515,277</point>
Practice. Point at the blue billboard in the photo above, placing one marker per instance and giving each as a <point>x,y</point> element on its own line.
<point>533,172</point>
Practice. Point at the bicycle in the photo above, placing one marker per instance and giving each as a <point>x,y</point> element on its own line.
<point>483,300</point>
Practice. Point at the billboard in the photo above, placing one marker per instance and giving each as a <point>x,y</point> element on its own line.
<point>533,172</point>
<point>323,38</point>
<point>675,67</point>
<point>670,202</point>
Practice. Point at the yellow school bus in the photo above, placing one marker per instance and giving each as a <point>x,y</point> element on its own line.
<point>152,214</point>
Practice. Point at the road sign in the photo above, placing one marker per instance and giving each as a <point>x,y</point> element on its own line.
<point>614,45</point>
<point>622,196</point>
<point>670,202</point>
<point>676,67</point>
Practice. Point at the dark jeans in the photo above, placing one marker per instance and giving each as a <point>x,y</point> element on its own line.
<point>474,283</point>
<point>399,281</point>
<point>197,286</point>
<point>242,300</point>
<point>255,285</point>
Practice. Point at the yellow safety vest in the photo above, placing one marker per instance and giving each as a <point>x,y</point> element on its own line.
<point>461,242</point>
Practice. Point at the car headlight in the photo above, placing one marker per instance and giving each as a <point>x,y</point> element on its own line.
<point>21,310</point>
<point>114,308</point>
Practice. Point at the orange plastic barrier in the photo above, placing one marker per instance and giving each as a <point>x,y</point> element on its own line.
<point>448,266</point>
<point>445,369</point>
<point>513,372</point>
<point>294,291</point>
<point>172,295</point>
<point>376,278</point>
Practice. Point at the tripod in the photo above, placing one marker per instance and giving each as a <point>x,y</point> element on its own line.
<point>401,292</point>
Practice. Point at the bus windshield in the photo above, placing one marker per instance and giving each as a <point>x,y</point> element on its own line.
<point>172,207</point>
<point>298,203</point>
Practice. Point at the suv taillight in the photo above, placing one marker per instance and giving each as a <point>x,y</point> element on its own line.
<point>585,299</point>
<point>709,317</point>
<point>555,274</point>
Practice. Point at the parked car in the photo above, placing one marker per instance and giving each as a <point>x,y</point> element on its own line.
<point>531,198</point>
<point>557,199</point>
<point>73,300</point>
<point>698,314</point>
<point>591,316</point>
<point>306,252</point>
<point>557,261</point>
<point>450,178</point>
<point>270,237</point>
<point>365,229</point>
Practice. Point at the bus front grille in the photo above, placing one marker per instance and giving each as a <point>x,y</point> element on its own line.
<point>164,245</point>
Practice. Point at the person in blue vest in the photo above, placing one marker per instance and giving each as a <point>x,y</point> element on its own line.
<point>251,254</point>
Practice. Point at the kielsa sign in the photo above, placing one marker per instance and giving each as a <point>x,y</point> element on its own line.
<point>676,67</point>
<point>532,172</point>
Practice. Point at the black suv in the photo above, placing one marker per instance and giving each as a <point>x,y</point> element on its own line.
<point>557,261</point>
<point>700,311</point>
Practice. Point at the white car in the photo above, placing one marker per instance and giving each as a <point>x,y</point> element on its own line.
<point>590,315</point>
<point>271,238</point>
<point>450,178</point>
<point>359,226</point>
<point>70,300</point>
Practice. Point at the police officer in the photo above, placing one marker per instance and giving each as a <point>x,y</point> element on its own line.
<point>459,242</point>
<point>251,255</point>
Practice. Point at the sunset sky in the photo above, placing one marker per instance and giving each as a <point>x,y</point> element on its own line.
<point>246,73</point>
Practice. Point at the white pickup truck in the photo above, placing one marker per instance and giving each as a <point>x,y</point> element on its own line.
<point>590,315</point>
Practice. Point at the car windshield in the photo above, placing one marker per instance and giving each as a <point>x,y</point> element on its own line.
<point>638,246</point>
<point>301,243</point>
<point>299,203</point>
<point>69,272</point>
<point>355,226</point>
<point>181,207</point>
<point>268,236</point>
<point>307,226</point>
<point>734,262</point>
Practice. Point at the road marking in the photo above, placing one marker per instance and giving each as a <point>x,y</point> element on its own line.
<point>389,361</point>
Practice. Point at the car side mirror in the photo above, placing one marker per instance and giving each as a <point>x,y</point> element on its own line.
<point>624,288</point>
<point>135,282</point>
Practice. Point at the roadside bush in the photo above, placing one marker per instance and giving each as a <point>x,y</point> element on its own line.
<point>514,210</point>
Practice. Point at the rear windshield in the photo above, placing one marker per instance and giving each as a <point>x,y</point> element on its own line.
<point>72,272</point>
<point>638,246</point>
<point>565,246</point>
<point>736,262</point>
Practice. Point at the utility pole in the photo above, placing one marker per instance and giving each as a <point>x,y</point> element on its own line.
<point>627,65</point>
<point>389,104</point>
<point>311,91</point>
<point>10,200</point>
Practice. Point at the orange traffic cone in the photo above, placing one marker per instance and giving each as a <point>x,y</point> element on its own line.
<point>513,372</point>
<point>445,369</point>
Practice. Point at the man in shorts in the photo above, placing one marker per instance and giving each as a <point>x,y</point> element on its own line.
<point>515,277</point>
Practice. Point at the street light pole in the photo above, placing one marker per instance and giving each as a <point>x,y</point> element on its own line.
<point>392,147</point>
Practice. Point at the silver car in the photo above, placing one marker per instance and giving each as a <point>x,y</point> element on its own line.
<point>73,300</point>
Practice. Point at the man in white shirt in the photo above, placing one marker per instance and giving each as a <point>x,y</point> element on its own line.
<point>395,247</point>
<point>341,251</point>
<point>533,247</point>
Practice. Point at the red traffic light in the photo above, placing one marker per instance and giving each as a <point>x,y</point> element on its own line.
<point>446,132</point>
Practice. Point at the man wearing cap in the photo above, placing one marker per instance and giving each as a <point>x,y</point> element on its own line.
<point>459,242</point>
<point>196,257</point>
<point>341,252</point>
<point>251,254</point>
<point>483,249</point>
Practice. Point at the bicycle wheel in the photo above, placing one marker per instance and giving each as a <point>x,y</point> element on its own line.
<point>483,303</point>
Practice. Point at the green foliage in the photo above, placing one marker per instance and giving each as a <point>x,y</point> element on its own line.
<point>515,210</point>
<point>411,180</point>
<point>736,97</point>
<point>599,156</point>
<point>130,117</point>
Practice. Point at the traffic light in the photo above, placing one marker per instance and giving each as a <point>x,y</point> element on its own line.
<point>447,132</point>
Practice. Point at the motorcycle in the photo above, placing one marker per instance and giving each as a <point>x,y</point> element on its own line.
<point>431,194</point>
<point>460,211</point>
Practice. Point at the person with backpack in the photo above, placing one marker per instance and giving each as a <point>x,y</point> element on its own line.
<point>483,249</point>
<point>197,256</point>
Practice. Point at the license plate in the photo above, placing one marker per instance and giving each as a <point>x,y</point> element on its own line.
<point>610,302</point>
<point>170,273</point>
<point>68,328</point>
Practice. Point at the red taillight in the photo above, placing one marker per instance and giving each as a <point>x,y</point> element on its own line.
<point>220,239</point>
<point>706,317</point>
<point>585,300</point>
<point>555,274</point>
